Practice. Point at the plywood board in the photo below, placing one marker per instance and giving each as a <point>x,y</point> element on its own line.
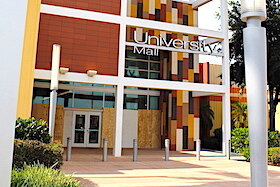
<point>59,123</point>
<point>108,125</point>
<point>149,129</point>
<point>41,111</point>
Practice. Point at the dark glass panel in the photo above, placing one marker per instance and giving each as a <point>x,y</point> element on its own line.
<point>155,66</point>
<point>79,129</point>
<point>154,75</point>
<point>136,65</point>
<point>154,103</point>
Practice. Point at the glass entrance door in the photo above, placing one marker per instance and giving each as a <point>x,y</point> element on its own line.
<point>86,129</point>
<point>79,129</point>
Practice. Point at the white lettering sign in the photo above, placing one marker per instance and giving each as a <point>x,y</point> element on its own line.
<point>199,46</point>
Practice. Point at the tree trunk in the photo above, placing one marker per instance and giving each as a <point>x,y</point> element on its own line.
<point>272,112</point>
<point>273,97</point>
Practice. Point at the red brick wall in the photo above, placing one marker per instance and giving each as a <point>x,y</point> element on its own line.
<point>84,44</point>
<point>105,6</point>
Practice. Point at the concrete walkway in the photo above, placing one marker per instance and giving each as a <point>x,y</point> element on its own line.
<point>183,170</point>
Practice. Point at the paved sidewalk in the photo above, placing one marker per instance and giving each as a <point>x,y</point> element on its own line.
<point>213,170</point>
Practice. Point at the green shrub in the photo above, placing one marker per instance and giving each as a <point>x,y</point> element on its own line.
<point>246,153</point>
<point>41,176</point>
<point>273,139</point>
<point>32,152</point>
<point>240,141</point>
<point>32,129</point>
<point>274,155</point>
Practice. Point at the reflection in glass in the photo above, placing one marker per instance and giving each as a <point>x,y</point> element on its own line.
<point>79,129</point>
<point>136,65</point>
<point>155,66</point>
<point>132,101</point>
<point>94,129</point>
<point>154,75</point>
<point>154,103</point>
<point>141,66</point>
<point>136,73</point>
<point>93,137</point>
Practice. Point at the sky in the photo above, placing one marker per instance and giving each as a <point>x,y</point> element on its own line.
<point>208,20</point>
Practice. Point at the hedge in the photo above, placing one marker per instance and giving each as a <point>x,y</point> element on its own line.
<point>41,176</point>
<point>32,129</point>
<point>240,141</point>
<point>274,155</point>
<point>32,152</point>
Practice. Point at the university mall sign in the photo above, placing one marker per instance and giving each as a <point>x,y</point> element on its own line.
<point>152,44</point>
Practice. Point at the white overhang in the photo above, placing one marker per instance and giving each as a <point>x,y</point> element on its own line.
<point>136,22</point>
<point>132,82</point>
<point>198,3</point>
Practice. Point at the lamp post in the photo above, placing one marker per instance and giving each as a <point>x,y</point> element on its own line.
<point>54,87</point>
<point>253,12</point>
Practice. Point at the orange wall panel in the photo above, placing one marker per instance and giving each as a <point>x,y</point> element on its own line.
<point>84,44</point>
<point>108,6</point>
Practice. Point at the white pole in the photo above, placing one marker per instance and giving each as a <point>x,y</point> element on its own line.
<point>12,23</point>
<point>198,148</point>
<point>226,125</point>
<point>54,86</point>
<point>117,151</point>
<point>256,82</point>
<point>255,55</point>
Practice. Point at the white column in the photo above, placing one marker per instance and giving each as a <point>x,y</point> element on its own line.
<point>54,87</point>
<point>117,152</point>
<point>256,82</point>
<point>12,23</point>
<point>226,126</point>
<point>119,121</point>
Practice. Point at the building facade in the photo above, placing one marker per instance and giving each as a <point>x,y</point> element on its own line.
<point>128,69</point>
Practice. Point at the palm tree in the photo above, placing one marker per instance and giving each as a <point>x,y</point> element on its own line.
<point>206,117</point>
<point>239,115</point>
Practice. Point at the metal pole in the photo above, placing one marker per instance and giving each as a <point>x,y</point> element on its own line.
<point>105,150</point>
<point>256,82</point>
<point>198,148</point>
<point>167,145</point>
<point>229,149</point>
<point>135,150</point>
<point>53,98</point>
<point>69,149</point>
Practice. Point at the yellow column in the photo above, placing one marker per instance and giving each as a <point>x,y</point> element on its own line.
<point>277,118</point>
<point>28,59</point>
